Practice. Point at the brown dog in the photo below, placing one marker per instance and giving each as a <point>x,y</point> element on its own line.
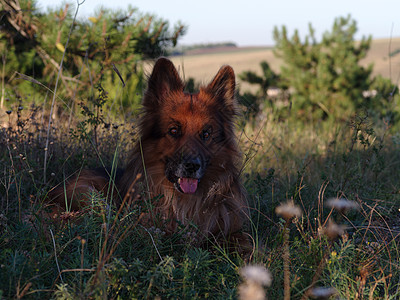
<point>187,153</point>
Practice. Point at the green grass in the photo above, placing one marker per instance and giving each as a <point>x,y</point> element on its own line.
<point>108,254</point>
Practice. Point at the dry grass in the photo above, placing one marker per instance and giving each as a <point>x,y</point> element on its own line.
<point>378,55</point>
<point>202,66</point>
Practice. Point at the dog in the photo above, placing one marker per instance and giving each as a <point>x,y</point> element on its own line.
<point>187,154</point>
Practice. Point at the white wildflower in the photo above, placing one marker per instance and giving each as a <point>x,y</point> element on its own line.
<point>323,292</point>
<point>332,230</point>
<point>289,210</point>
<point>255,278</point>
<point>341,204</point>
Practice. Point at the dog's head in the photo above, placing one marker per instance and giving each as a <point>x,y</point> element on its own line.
<point>188,131</point>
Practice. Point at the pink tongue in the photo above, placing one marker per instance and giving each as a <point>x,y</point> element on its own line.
<point>188,185</point>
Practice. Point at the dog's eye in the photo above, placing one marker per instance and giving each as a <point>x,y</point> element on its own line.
<point>206,134</point>
<point>173,131</point>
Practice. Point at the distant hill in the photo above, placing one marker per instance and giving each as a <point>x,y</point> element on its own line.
<point>202,48</point>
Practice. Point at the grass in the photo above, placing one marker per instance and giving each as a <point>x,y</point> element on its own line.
<point>312,164</point>
<point>108,254</point>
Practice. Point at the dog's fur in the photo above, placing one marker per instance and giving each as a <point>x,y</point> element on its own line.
<point>187,153</point>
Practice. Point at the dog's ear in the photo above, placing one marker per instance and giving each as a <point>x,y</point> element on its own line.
<point>163,80</point>
<point>223,87</point>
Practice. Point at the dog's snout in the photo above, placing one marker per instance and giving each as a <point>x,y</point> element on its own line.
<point>185,169</point>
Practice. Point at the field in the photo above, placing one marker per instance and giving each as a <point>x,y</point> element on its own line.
<point>202,66</point>
<point>324,200</point>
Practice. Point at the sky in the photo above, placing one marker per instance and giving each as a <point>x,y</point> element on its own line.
<point>251,22</point>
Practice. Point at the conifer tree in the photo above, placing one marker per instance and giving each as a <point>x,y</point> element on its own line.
<point>105,48</point>
<point>326,77</point>
<point>269,79</point>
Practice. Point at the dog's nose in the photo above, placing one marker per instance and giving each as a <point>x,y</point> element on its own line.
<point>192,165</point>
